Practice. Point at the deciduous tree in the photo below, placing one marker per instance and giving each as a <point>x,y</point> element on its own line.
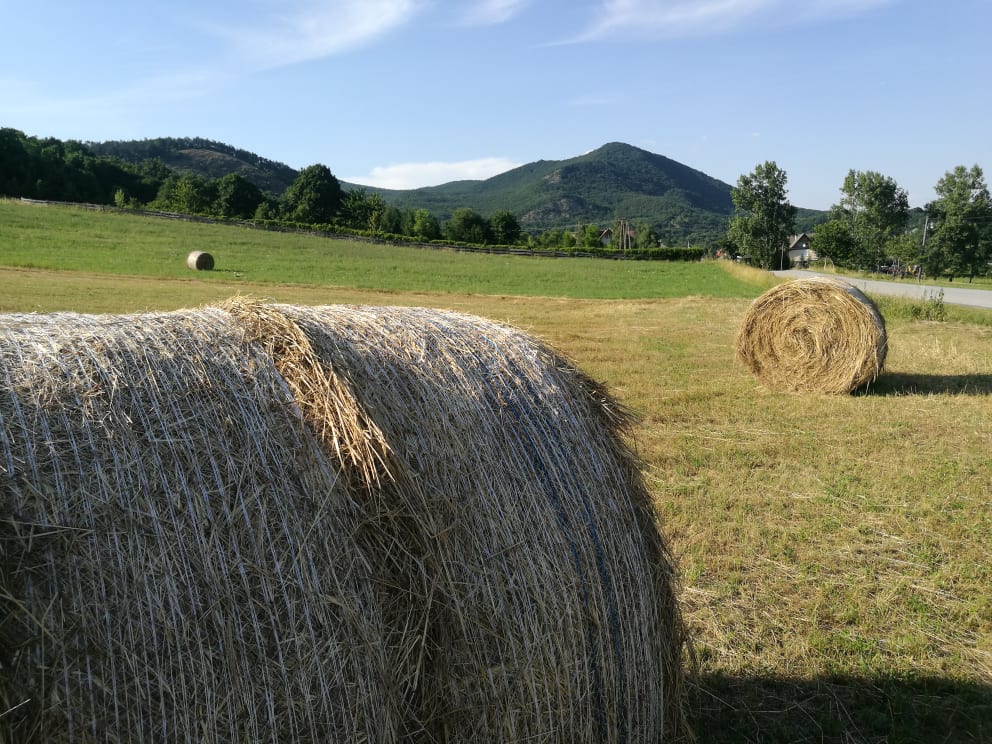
<point>644,236</point>
<point>832,239</point>
<point>185,194</point>
<point>466,226</point>
<point>237,197</point>
<point>396,222</point>
<point>962,212</point>
<point>425,225</point>
<point>504,227</point>
<point>590,236</point>
<point>362,210</point>
<point>875,210</point>
<point>764,218</point>
<point>314,197</point>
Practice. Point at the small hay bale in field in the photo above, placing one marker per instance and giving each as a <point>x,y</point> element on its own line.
<point>181,560</point>
<point>550,610</point>
<point>200,261</point>
<point>813,335</point>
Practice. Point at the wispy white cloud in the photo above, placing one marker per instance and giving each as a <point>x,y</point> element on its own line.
<point>287,33</point>
<point>673,18</point>
<point>416,175</point>
<point>492,12</point>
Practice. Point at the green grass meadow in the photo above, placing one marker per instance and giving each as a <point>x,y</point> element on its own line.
<point>46,237</point>
<point>835,553</point>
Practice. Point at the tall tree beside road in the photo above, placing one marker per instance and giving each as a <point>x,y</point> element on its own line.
<point>875,210</point>
<point>832,239</point>
<point>962,214</point>
<point>764,218</point>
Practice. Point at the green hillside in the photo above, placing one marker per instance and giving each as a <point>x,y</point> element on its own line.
<point>203,157</point>
<point>614,181</point>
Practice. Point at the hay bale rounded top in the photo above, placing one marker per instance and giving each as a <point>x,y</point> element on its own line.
<point>181,560</point>
<point>818,335</point>
<point>259,522</point>
<point>552,615</point>
<point>200,261</point>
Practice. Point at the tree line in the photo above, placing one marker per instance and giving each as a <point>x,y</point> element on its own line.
<point>69,171</point>
<point>869,228</point>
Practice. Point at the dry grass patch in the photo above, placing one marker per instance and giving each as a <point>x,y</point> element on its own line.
<point>825,539</point>
<point>834,550</point>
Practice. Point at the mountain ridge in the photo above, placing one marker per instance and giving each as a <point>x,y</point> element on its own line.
<point>201,156</point>
<point>613,181</point>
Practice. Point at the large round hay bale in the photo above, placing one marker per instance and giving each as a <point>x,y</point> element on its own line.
<point>200,261</point>
<point>180,559</point>
<point>551,612</point>
<point>813,335</point>
<point>270,522</point>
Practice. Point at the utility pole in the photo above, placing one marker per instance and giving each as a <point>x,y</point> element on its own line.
<point>623,240</point>
<point>923,246</point>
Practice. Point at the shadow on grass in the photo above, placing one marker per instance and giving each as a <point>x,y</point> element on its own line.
<point>235,272</point>
<point>903,384</point>
<point>839,709</point>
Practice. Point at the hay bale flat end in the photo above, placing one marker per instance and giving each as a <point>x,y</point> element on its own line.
<point>818,335</point>
<point>200,261</point>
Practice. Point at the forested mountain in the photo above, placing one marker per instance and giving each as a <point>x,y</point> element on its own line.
<point>202,157</point>
<point>616,180</point>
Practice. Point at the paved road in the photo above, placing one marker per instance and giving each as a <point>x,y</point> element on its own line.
<point>907,288</point>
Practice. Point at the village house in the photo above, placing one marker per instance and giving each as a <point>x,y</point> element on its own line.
<point>800,250</point>
<point>606,238</point>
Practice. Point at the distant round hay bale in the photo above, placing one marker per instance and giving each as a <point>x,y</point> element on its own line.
<point>817,335</point>
<point>200,261</point>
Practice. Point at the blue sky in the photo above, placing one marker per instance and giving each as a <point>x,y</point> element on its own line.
<point>406,93</point>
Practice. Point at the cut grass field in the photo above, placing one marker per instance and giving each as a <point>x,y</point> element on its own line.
<point>67,239</point>
<point>835,551</point>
